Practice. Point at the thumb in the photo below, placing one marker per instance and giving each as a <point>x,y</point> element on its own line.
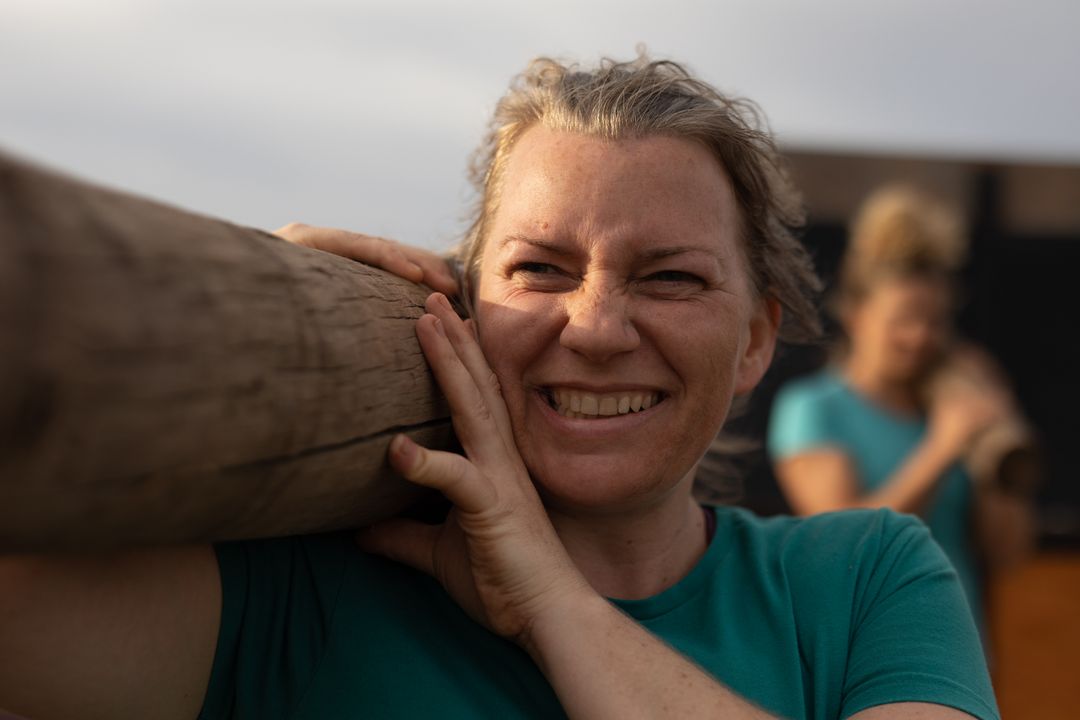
<point>408,542</point>
<point>451,474</point>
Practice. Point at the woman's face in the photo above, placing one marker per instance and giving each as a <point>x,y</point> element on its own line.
<point>901,327</point>
<point>614,306</point>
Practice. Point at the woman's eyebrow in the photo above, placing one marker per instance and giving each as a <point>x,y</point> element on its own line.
<point>646,257</point>
<point>666,252</point>
<point>547,245</point>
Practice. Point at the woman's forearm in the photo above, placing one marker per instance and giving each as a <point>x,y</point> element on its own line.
<point>602,664</point>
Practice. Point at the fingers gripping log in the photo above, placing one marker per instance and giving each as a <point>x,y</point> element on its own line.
<point>170,377</point>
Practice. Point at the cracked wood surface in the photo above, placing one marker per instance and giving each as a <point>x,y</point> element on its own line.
<point>171,377</point>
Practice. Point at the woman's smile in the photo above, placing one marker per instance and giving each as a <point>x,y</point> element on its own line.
<point>617,416</point>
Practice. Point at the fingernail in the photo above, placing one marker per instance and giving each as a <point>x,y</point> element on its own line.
<point>439,327</point>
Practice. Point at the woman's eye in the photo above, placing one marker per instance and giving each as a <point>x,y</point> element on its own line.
<point>542,276</point>
<point>673,277</point>
<point>535,268</point>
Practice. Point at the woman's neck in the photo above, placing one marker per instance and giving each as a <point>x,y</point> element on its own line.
<point>899,396</point>
<point>634,555</point>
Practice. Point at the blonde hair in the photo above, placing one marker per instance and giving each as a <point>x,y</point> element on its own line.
<point>618,100</point>
<point>900,231</point>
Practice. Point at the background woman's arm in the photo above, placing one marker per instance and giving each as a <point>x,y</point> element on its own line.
<point>823,480</point>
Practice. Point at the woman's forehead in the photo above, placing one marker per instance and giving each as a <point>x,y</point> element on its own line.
<point>543,154</point>
<point>652,192</point>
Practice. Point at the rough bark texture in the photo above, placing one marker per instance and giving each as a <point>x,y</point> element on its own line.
<point>170,377</point>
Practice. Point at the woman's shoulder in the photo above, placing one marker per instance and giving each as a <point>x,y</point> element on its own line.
<point>840,527</point>
<point>823,386</point>
<point>871,593</point>
<point>846,543</point>
<point>835,569</point>
<point>810,412</point>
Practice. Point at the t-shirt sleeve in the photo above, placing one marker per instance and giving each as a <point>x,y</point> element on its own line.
<point>912,635</point>
<point>800,420</point>
<point>278,603</point>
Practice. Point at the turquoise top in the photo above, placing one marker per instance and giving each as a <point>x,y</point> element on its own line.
<point>810,618</point>
<point>824,411</point>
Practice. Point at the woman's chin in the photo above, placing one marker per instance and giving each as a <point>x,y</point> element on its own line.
<point>598,484</point>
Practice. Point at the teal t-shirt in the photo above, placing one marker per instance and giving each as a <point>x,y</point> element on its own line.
<point>810,618</point>
<point>822,410</point>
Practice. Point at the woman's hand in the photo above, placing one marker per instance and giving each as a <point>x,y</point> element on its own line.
<point>404,261</point>
<point>957,416</point>
<point>497,554</point>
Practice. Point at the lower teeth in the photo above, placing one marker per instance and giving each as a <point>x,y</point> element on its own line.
<point>567,412</point>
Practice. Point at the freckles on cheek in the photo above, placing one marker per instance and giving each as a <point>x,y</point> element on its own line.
<point>715,362</point>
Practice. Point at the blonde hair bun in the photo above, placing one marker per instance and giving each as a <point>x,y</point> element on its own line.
<point>902,229</point>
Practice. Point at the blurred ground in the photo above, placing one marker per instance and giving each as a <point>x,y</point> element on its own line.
<point>1035,631</point>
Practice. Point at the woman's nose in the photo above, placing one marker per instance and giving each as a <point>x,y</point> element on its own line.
<point>598,323</point>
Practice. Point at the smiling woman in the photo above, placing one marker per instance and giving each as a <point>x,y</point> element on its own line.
<point>630,268</point>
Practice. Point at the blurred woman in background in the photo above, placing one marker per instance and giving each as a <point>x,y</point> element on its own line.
<point>906,417</point>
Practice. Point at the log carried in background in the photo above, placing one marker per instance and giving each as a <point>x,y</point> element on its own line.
<point>170,377</point>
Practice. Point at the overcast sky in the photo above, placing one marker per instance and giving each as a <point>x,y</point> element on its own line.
<point>362,114</point>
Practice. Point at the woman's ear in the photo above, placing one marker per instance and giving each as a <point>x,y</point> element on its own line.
<point>763,328</point>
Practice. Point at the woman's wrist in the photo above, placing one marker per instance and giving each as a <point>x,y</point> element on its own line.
<point>562,621</point>
<point>941,450</point>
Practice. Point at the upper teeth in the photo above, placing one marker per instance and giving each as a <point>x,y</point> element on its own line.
<point>574,403</point>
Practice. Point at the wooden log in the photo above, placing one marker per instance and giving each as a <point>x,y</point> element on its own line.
<point>168,377</point>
